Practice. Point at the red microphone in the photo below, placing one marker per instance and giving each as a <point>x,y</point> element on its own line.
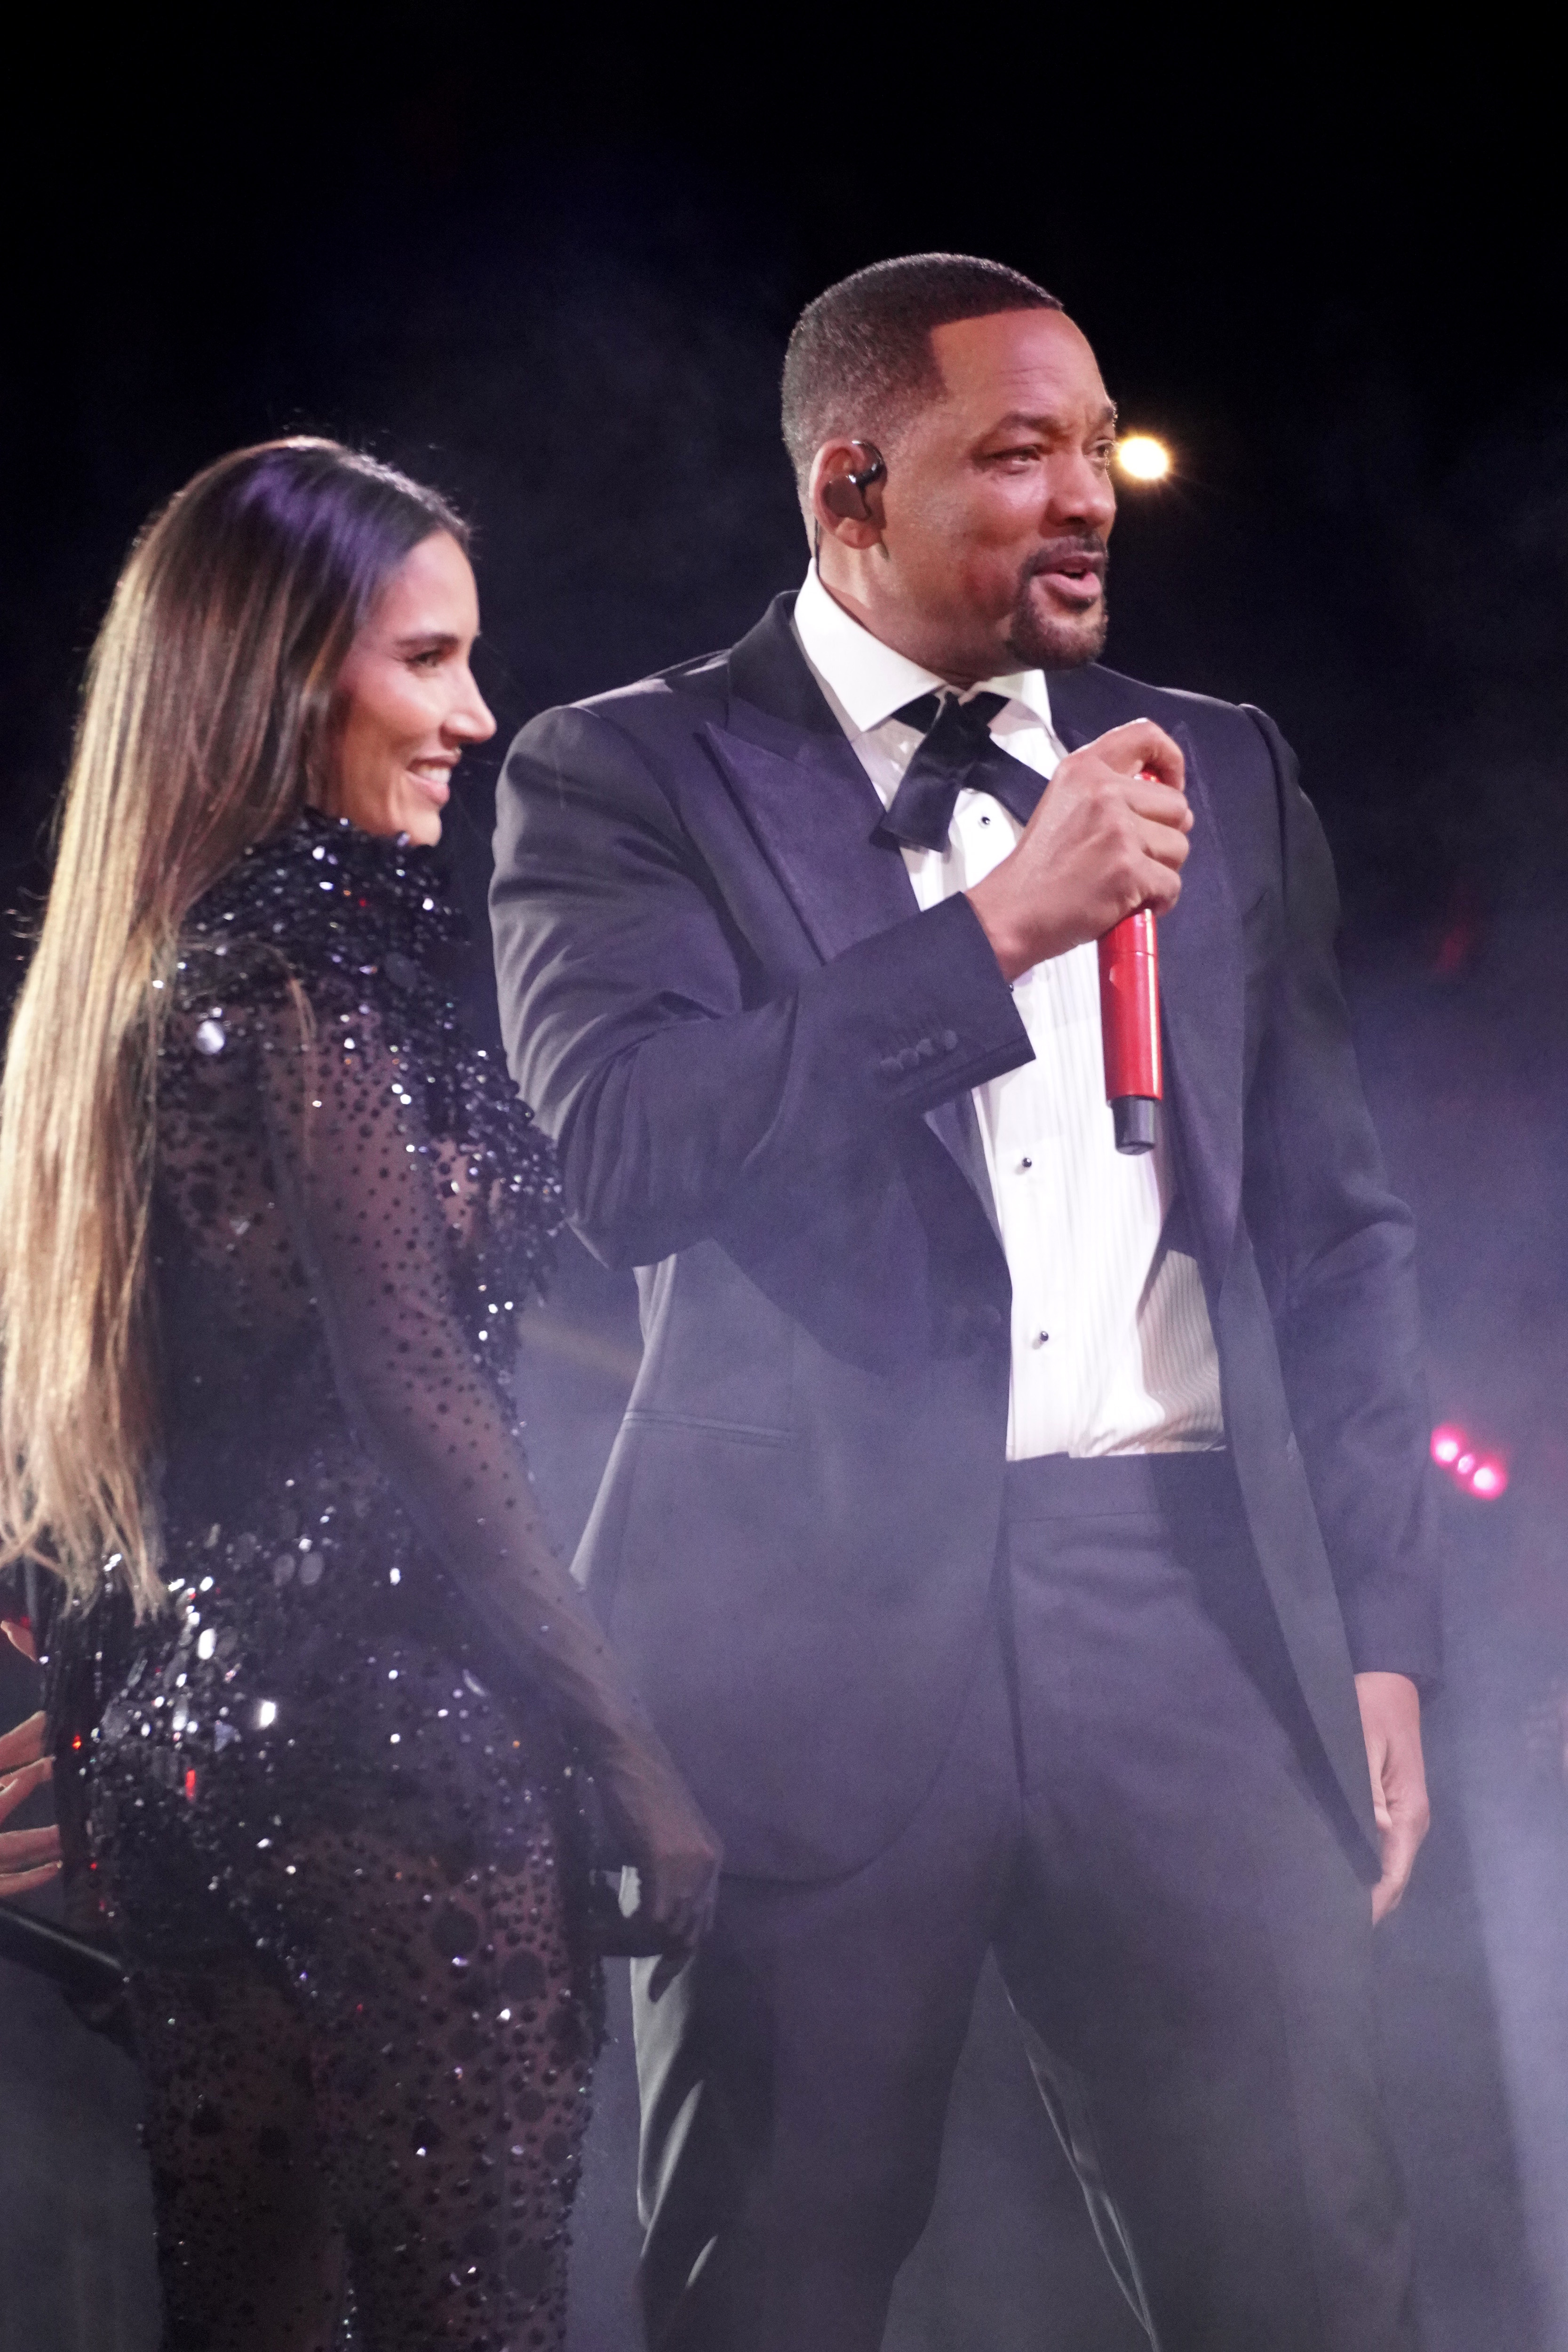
<point>1129,1028</point>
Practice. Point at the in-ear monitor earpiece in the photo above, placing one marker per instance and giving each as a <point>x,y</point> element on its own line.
<point>845,495</point>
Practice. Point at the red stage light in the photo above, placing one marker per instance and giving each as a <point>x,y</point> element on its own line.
<point>1484,1475</point>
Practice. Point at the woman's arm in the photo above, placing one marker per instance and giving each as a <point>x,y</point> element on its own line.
<point>355,1182</point>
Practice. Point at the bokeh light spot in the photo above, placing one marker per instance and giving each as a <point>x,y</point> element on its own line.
<point>1484,1475</point>
<point>1142,458</point>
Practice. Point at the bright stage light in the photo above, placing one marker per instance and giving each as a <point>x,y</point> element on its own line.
<point>1142,458</point>
<point>1484,1475</point>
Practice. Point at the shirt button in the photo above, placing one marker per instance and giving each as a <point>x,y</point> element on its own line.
<point>1026,1161</point>
<point>1040,1339</point>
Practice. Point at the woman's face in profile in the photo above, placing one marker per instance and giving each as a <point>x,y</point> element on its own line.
<point>407,704</point>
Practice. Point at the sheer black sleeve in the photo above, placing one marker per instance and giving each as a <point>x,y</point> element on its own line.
<point>355,1175</point>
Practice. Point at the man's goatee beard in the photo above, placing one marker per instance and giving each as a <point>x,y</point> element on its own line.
<point>1057,645</point>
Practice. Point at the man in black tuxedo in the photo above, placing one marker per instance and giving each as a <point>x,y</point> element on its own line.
<point>1020,1545</point>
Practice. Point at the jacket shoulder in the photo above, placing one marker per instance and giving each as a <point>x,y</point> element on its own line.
<point>1237,760</point>
<point>1232,731</point>
<point>669,693</point>
<point>651,720</point>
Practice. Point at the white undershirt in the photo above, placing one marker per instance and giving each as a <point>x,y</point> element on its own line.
<point>1113,1350</point>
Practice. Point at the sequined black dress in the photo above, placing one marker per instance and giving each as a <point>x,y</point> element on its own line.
<point>326,1795</point>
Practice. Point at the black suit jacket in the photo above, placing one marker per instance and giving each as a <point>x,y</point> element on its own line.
<point>755,1056</point>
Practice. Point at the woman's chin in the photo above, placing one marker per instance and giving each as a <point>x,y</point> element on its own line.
<point>421,825</point>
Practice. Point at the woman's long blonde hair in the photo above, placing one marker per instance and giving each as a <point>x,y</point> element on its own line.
<point>204,728</point>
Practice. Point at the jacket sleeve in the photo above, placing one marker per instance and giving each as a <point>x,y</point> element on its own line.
<point>1337,1250</point>
<point>680,1080</point>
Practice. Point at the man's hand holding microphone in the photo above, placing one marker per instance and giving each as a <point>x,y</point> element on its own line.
<point>1108,837</point>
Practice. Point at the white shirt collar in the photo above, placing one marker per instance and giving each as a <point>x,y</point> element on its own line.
<point>866,681</point>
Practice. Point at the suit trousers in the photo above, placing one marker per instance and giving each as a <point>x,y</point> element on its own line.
<point>1129,1813</point>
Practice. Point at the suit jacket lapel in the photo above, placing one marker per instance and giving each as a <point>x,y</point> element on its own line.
<point>1202,1005</point>
<point>813,812</point>
<point>807,800</point>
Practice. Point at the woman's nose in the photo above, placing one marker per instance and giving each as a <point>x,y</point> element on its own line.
<point>472,720</point>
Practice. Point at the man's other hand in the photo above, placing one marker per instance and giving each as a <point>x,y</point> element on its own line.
<point>1109,837</point>
<point>1391,1724</point>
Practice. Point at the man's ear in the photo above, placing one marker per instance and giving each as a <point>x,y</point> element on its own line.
<point>845,491</point>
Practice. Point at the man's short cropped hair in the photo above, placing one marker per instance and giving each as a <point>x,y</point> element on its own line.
<point>860,360</point>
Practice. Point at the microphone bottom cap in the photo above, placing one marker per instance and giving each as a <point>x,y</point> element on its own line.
<point>1134,1119</point>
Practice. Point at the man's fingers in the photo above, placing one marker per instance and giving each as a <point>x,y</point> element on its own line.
<point>1390,1708</point>
<point>1166,844</point>
<point>1158,805</point>
<point>1403,1827</point>
<point>1142,745</point>
<point>1399,1864</point>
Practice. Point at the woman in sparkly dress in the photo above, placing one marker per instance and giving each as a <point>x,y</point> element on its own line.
<point>320,1696</point>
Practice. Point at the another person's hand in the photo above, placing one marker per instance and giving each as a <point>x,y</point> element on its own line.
<point>1391,1725</point>
<point>1109,837</point>
<point>674,1853</point>
<point>27,1857</point>
<point>18,1632</point>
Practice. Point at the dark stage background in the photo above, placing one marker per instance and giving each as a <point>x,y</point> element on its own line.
<point>555,276</point>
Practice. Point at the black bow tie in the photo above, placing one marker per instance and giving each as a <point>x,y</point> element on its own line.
<point>958,754</point>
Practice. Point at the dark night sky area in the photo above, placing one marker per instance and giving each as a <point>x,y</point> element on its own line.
<point>558,276</point>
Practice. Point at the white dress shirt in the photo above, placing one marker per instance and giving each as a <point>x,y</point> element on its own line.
<point>1113,1350</point>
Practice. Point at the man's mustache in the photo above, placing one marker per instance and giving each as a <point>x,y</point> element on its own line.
<point>1083,550</point>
